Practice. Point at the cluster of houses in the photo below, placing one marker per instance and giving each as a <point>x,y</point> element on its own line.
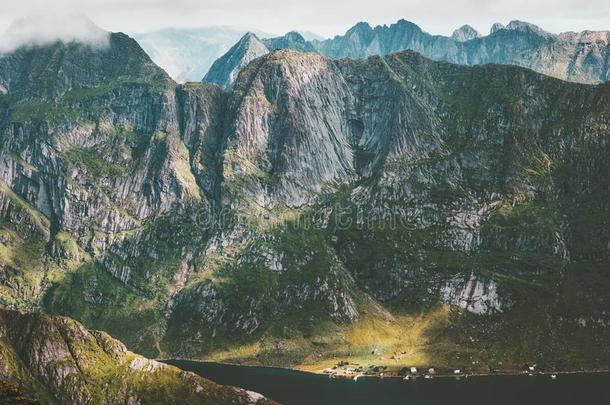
<point>345,369</point>
<point>529,368</point>
<point>413,372</point>
<point>355,371</point>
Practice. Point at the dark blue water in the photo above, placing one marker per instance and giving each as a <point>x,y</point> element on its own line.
<point>297,388</point>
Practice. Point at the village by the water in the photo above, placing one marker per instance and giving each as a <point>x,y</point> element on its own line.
<point>355,371</point>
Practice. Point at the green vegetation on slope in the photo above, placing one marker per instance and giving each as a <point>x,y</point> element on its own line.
<point>89,367</point>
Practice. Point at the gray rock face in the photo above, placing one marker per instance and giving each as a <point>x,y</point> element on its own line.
<point>131,144</point>
<point>303,146</point>
<point>474,295</point>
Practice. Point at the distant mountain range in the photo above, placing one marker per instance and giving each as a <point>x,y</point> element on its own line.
<point>187,54</point>
<point>579,57</point>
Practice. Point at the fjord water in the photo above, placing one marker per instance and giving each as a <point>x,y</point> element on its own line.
<point>291,387</point>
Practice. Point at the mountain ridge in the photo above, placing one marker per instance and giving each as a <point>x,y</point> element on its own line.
<point>580,57</point>
<point>224,70</point>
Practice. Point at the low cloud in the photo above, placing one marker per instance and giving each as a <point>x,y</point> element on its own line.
<point>39,30</point>
<point>321,16</point>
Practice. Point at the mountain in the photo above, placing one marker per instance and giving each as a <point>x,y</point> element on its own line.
<point>496,27</point>
<point>390,211</point>
<point>47,73</point>
<point>465,33</point>
<point>187,54</point>
<point>224,70</point>
<point>578,57</point>
<point>57,361</point>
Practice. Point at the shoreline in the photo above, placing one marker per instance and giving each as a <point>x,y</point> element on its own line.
<point>412,377</point>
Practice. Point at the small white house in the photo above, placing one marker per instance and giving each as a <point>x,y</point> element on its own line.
<point>457,371</point>
<point>413,370</point>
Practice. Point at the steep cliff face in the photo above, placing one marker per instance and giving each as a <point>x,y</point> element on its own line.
<point>57,360</point>
<point>315,199</point>
<point>92,156</point>
<point>287,118</point>
<point>104,118</point>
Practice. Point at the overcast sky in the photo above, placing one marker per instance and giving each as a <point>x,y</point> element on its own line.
<point>325,17</point>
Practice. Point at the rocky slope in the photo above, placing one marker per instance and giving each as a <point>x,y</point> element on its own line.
<point>56,360</point>
<point>321,209</point>
<point>580,57</point>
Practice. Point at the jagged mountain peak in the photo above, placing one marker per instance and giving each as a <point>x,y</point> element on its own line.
<point>292,40</point>
<point>361,30</point>
<point>496,27</point>
<point>248,38</point>
<point>550,54</point>
<point>403,21</point>
<point>523,26</point>
<point>295,36</point>
<point>361,26</point>
<point>465,33</point>
<point>224,71</point>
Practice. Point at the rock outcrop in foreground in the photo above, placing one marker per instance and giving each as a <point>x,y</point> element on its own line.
<point>56,360</point>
